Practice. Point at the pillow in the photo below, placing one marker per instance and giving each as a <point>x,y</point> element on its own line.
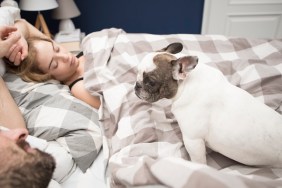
<point>52,113</point>
<point>7,17</point>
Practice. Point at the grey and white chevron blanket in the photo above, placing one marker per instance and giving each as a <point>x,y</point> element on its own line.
<point>143,140</point>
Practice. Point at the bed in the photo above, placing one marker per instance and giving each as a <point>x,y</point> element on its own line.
<point>131,143</point>
<point>143,140</point>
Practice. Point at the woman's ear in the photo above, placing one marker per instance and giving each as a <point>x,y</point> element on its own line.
<point>182,66</point>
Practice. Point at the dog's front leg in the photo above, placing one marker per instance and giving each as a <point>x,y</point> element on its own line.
<point>196,149</point>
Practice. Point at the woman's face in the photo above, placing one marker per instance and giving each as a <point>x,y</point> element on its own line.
<point>55,60</point>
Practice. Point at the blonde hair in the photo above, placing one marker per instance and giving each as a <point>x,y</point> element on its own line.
<point>28,70</point>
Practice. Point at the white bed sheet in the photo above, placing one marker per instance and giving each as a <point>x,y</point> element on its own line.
<point>93,177</point>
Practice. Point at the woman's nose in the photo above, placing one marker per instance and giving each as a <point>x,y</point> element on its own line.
<point>64,57</point>
<point>15,134</point>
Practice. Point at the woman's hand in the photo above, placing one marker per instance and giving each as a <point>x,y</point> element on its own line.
<point>18,51</point>
<point>7,39</point>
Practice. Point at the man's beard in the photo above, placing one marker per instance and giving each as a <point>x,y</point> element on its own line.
<point>31,168</point>
<point>37,156</point>
<point>38,164</point>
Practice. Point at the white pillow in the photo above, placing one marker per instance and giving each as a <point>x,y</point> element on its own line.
<point>7,17</point>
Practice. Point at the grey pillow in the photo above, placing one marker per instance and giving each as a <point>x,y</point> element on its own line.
<point>52,113</point>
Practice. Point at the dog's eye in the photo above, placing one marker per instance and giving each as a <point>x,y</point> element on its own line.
<point>152,83</point>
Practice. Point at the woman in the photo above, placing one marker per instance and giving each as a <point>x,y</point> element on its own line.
<point>48,60</point>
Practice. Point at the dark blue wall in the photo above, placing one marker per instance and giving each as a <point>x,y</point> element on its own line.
<point>144,16</point>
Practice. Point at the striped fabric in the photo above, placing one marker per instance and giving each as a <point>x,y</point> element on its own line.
<point>142,140</point>
<point>53,114</point>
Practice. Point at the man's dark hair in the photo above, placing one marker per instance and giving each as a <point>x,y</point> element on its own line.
<point>35,172</point>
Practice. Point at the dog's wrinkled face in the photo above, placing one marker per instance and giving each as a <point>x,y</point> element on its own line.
<point>159,72</point>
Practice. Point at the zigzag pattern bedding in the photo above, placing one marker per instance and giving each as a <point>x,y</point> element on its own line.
<point>142,140</point>
<point>53,114</point>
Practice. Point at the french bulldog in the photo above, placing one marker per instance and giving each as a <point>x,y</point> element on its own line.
<point>209,110</point>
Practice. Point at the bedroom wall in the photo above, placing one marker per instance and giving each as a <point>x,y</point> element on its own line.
<point>144,16</point>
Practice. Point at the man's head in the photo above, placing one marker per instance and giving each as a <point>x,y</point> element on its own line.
<point>21,165</point>
<point>159,73</point>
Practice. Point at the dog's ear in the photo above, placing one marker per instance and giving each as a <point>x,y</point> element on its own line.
<point>173,48</point>
<point>182,66</point>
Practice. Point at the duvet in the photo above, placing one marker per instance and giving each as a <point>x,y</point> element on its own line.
<point>142,141</point>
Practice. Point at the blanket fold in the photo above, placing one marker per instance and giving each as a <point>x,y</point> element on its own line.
<point>143,140</point>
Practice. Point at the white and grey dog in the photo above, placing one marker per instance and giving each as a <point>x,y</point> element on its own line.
<point>211,111</point>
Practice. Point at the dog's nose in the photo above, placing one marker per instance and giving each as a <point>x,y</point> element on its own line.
<point>137,85</point>
<point>196,58</point>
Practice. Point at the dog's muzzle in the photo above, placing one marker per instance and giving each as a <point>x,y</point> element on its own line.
<point>137,89</point>
<point>137,86</point>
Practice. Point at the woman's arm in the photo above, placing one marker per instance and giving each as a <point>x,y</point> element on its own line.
<point>81,93</point>
<point>28,30</point>
<point>19,50</point>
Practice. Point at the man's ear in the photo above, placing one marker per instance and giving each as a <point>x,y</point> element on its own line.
<point>182,66</point>
<point>173,48</point>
